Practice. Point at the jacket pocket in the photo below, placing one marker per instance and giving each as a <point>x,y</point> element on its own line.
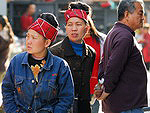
<point>20,91</point>
<point>53,90</point>
<point>19,85</point>
<point>48,90</point>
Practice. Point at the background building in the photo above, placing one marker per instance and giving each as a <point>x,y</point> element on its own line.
<point>104,12</point>
<point>3,7</point>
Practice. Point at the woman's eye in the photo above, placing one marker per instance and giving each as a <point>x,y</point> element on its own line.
<point>27,36</point>
<point>34,37</point>
<point>79,24</point>
<point>69,25</point>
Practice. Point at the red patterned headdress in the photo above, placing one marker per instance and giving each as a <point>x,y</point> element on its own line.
<point>75,13</point>
<point>45,29</point>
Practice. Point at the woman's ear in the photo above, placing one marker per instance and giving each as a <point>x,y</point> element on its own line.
<point>88,28</point>
<point>47,43</point>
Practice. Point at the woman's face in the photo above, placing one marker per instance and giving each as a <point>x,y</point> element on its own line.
<point>76,29</point>
<point>36,44</point>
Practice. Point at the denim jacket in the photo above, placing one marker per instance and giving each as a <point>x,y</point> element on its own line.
<point>53,94</point>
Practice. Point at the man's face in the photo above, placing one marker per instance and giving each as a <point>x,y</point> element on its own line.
<point>136,19</point>
<point>32,9</point>
<point>76,29</point>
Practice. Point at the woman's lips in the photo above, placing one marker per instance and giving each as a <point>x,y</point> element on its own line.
<point>29,47</point>
<point>74,34</point>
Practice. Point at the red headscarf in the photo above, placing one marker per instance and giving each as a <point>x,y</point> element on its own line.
<point>45,29</point>
<point>75,13</point>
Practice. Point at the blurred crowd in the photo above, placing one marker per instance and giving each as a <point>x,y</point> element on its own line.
<point>143,38</point>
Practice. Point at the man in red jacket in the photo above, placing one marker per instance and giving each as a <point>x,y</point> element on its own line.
<point>26,18</point>
<point>146,44</point>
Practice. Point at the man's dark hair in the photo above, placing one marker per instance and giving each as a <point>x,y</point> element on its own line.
<point>30,3</point>
<point>126,5</point>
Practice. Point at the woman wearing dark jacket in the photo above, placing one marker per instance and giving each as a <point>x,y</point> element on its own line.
<point>79,55</point>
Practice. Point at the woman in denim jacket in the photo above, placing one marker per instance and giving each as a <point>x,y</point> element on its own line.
<point>37,81</point>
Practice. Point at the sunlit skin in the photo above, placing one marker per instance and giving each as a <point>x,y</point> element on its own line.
<point>76,29</point>
<point>36,44</point>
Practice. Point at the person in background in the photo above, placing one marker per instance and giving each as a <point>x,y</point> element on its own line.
<point>6,38</point>
<point>139,34</point>
<point>78,54</point>
<point>37,81</point>
<point>146,45</point>
<point>125,77</point>
<point>95,39</point>
<point>27,19</point>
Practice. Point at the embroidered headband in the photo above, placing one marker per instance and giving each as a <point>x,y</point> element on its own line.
<point>45,29</point>
<point>75,13</point>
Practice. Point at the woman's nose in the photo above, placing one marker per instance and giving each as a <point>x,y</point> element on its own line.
<point>74,27</point>
<point>28,39</point>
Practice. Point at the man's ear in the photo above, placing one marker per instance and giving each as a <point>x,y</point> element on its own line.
<point>126,14</point>
<point>47,43</point>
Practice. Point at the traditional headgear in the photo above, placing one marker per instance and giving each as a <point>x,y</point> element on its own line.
<point>75,13</point>
<point>45,29</point>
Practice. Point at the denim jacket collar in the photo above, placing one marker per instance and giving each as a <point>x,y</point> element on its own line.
<point>49,61</point>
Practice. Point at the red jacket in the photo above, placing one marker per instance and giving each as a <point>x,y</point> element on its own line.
<point>96,45</point>
<point>146,49</point>
<point>26,21</point>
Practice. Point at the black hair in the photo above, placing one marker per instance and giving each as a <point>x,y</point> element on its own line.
<point>94,32</point>
<point>31,3</point>
<point>80,5</point>
<point>2,21</point>
<point>126,5</point>
<point>28,5</point>
<point>50,18</point>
